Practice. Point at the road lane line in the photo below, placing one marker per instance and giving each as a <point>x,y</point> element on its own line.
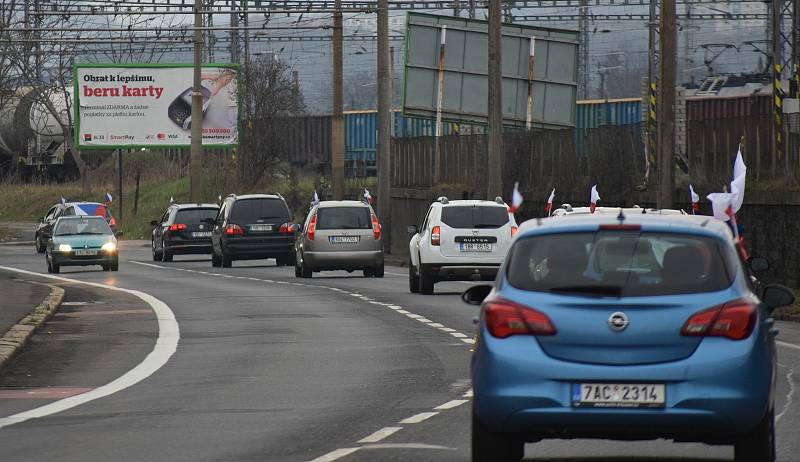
<point>788,345</point>
<point>335,455</point>
<point>451,404</point>
<point>384,432</point>
<point>165,347</point>
<point>418,418</point>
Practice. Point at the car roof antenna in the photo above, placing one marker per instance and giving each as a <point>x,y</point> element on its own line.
<point>621,216</point>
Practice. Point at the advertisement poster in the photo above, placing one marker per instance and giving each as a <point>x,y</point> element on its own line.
<point>121,106</point>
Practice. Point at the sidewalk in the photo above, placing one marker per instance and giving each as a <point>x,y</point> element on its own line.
<point>18,300</point>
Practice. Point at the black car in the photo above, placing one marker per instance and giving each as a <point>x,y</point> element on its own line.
<point>253,227</point>
<point>184,229</point>
<point>44,230</point>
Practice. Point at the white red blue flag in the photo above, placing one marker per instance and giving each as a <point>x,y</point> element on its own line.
<point>549,207</point>
<point>109,198</point>
<point>62,200</point>
<point>695,200</point>
<point>594,198</point>
<point>314,199</point>
<point>367,196</point>
<point>516,199</point>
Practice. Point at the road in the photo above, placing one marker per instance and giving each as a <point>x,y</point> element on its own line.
<point>270,367</point>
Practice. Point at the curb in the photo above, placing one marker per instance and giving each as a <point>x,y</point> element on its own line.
<point>20,243</point>
<point>788,317</point>
<point>19,334</point>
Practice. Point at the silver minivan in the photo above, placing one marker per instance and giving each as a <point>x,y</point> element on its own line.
<point>339,235</point>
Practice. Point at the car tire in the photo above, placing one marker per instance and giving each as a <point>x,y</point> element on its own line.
<point>298,272</point>
<point>368,272</point>
<point>56,268</point>
<point>156,254</point>
<point>115,264</point>
<point>758,445</point>
<point>377,272</point>
<point>425,282</point>
<point>166,255</point>
<point>40,247</point>
<point>413,279</point>
<point>49,266</point>
<point>488,446</point>
<point>216,261</point>
<point>106,266</point>
<point>227,261</point>
<point>305,272</point>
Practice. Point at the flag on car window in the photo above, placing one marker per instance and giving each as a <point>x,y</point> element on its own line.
<point>549,207</point>
<point>62,200</point>
<point>695,200</point>
<point>314,199</point>
<point>516,199</point>
<point>109,198</point>
<point>367,196</point>
<point>737,185</point>
<point>594,199</point>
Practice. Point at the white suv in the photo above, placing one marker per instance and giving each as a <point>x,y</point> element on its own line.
<point>463,240</point>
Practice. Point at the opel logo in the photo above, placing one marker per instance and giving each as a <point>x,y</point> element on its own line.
<point>618,321</point>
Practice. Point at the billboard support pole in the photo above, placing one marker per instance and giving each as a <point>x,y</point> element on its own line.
<point>494,186</point>
<point>666,103</point>
<point>529,114</point>
<point>384,146</point>
<point>337,123</point>
<point>195,172</point>
<point>437,162</point>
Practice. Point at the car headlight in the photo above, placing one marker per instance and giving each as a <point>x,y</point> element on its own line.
<point>64,248</point>
<point>109,247</point>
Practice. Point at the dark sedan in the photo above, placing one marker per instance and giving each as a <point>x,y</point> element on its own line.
<point>183,230</point>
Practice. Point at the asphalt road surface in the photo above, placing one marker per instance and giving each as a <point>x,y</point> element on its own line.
<point>270,367</point>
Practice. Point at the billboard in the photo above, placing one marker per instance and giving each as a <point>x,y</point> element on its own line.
<point>150,105</point>
<point>463,45</point>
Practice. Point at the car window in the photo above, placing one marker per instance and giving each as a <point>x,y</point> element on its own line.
<point>475,217</point>
<point>50,213</point>
<point>425,220</point>
<point>251,210</point>
<point>82,226</point>
<point>197,215</point>
<point>621,263</point>
<point>68,212</point>
<point>344,218</point>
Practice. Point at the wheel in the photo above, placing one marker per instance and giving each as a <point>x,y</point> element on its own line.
<point>298,272</point>
<point>758,445</point>
<point>216,261</point>
<point>40,247</point>
<point>55,267</point>
<point>106,267</point>
<point>488,446</point>
<point>166,255</point>
<point>156,254</point>
<point>305,271</point>
<point>413,279</point>
<point>377,272</point>
<point>368,272</point>
<point>280,261</point>
<point>227,261</point>
<point>49,266</point>
<point>425,282</point>
<point>115,265</point>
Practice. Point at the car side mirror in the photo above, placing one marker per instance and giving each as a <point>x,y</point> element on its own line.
<point>295,228</point>
<point>776,296</point>
<point>118,233</point>
<point>758,264</point>
<point>476,295</point>
<point>153,223</point>
<point>412,230</point>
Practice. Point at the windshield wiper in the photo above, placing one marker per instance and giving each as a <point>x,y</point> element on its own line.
<point>590,290</point>
<point>92,234</point>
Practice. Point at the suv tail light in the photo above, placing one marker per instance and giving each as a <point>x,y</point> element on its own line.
<point>734,320</point>
<point>435,235</point>
<point>505,318</point>
<point>177,227</point>
<point>514,230</point>
<point>376,227</point>
<point>285,228</point>
<point>234,230</point>
<point>312,228</point>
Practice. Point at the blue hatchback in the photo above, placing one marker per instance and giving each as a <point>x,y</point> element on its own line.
<point>625,326</point>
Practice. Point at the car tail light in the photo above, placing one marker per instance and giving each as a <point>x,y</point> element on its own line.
<point>734,320</point>
<point>285,228</point>
<point>312,228</point>
<point>376,227</point>
<point>505,318</point>
<point>435,235</point>
<point>514,230</point>
<point>177,227</point>
<point>234,230</point>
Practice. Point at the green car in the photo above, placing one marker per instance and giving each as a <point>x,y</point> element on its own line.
<point>82,241</point>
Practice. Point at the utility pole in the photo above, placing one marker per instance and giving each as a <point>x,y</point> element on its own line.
<point>496,156</point>
<point>583,61</point>
<point>687,45</point>
<point>666,104</point>
<point>777,89</point>
<point>384,146</point>
<point>337,123</point>
<point>234,35</point>
<point>195,169</point>
<point>651,142</point>
<point>471,9</point>
<point>456,8</point>
<point>796,47</point>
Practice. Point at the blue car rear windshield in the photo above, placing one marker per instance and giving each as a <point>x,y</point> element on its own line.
<point>621,264</point>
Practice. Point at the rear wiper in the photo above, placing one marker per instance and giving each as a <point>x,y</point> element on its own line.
<point>485,225</point>
<point>589,290</point>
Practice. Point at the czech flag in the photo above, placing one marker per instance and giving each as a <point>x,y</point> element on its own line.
<point>549,207</point>
<point>516,199</point>
<point>695,200</point>
<point>367,196</point>
<point>109,199</point>
<point>594,199</point>
<point>314,199</point>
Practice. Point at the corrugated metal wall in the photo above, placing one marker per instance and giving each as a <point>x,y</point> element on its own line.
<point>712,108</point>
<point>596,113</point>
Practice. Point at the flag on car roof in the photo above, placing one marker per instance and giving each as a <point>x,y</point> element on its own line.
<point>62,200</point>
<point>367,196</point>
<point>109,198</point>
<point>314,199</point>
<point>738,183</point>
<point>549,207</point>
<point>695,200</point>
<point>171,200</point>
<point>594,199</point>
<point>516,199</point>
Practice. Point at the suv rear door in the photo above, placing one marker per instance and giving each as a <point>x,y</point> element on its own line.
<point>260,216</point>
<point>344,229</point>
<point>194,219</point>
<point>475,231</point>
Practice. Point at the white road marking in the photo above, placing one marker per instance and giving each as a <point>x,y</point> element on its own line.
<point>451,404</point>
<point>403,311</point>
<point>789,395</point>
<point>165,347</point>
<point>446,329</point>
<point>418,418</point>
<point>458,335</point>
<point>384,432</point>
<point>788,345</point>
<point>468,340</point>
<point>335,455</point>
<point>436,325</point>
<point>469,394</point>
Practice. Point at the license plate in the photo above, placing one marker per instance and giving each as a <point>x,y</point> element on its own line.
<point>260,227</point>
<point>344,239</point>
<point>202,234</point>
<point>85,252</point>
<point>618,395</point>
<point>473,247</point>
